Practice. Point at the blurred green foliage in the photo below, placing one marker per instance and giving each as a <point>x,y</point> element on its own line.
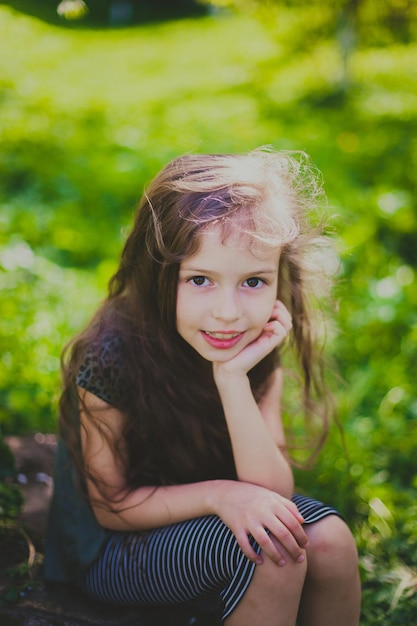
<point>88,116</point>
<point>11,498</point>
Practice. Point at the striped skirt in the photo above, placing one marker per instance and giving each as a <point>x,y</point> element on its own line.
<point>197,560</point>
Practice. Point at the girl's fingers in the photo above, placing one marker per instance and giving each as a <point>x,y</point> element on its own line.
<point>287,539</point>
<point>292,508</point>
<point>280,538</point>
<point>278,544</point>
<point>280,322</point>
<point>281,314</point>
<point>277,329</point>
<point>285,555</point>
<point>294,524</point>
<point>269,546</point>
<point>247,549</point>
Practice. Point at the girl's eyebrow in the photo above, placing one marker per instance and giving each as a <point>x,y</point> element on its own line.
<point>197,270</point>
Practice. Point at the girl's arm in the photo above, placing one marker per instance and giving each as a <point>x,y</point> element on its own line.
<point>270,407</point>
<point>256,431</point>
<point>245,508</point>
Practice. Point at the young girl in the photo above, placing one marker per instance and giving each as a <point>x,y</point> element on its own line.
<point>173,481</point>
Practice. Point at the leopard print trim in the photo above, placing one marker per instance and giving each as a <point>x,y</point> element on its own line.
<point>100,373</point>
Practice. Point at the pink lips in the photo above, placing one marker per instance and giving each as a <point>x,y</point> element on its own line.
<point>222,340</point>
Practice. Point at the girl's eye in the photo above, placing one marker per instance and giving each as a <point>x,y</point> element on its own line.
<point>254,283</point>
<point>199,281</point>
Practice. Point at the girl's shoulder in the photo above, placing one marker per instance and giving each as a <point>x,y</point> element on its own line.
<point>101,368</point>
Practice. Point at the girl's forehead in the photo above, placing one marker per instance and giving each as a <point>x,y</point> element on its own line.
<point>215,237</point>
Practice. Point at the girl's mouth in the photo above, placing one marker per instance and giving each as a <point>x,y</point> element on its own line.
<point>222,340</point>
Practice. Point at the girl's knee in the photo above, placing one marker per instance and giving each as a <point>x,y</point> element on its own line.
<point>291,575</point>
<point>331,550</point>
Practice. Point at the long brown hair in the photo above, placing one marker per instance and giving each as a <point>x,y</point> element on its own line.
<point>175,431</point>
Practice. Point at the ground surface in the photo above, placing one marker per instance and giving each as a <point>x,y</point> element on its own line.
<point>24,598</point>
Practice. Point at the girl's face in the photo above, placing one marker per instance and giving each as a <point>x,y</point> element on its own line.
<point>226,295</point>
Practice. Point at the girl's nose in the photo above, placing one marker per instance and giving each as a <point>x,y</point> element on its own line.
<point>227,306</point>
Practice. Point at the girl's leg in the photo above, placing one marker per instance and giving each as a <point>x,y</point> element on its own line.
<point>273,596</point>
<point>332,590</point>
<point>187,561</point>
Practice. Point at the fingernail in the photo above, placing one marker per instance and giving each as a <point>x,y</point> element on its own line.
<point>301,558</point>
<point>281,562</point>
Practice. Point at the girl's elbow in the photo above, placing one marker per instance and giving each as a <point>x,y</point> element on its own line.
<point>110,519</point>
<point>282,483</point>
<point>287,491</point>
<point>103,515</point>
<point>285,484</point>
<point>107,514</point>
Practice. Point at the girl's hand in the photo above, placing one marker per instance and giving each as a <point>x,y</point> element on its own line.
<point>273,521</point>
<point>273,334</point>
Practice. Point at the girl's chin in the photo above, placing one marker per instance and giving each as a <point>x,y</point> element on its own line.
<point>219,356</point>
